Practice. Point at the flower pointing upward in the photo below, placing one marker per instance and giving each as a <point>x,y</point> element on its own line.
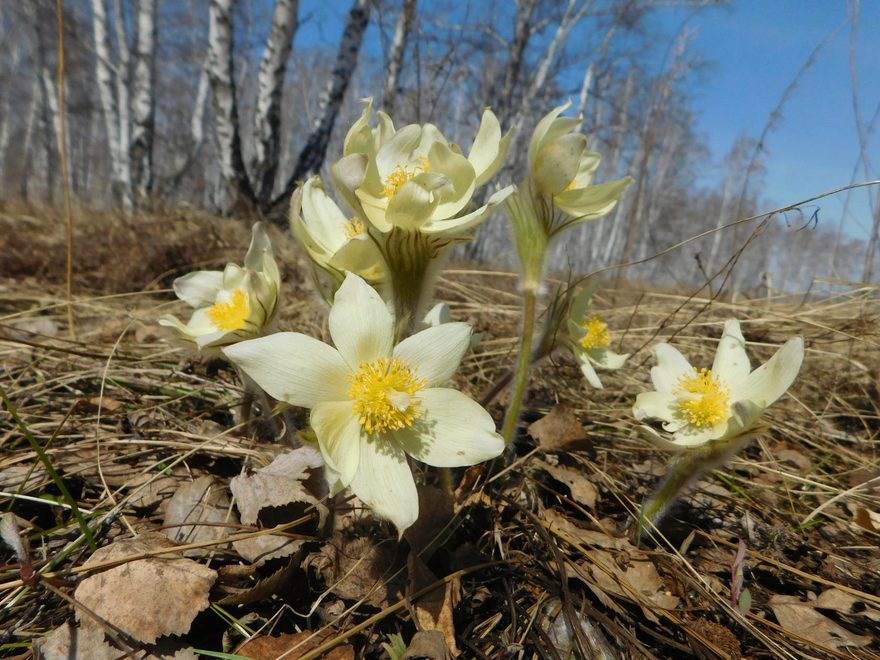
<point>373,403</point>
<point>699,406</point>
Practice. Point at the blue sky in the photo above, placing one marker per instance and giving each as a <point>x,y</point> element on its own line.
<point>755,49</point>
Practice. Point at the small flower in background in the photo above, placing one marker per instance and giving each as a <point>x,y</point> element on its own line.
<point>373,403</point>
<point>333,241</point>
<point>233,304</point>
<point>590,338</point>
<point>698,406</point>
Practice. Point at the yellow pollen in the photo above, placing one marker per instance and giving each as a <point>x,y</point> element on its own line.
<point>702,399</point>
<point>571,186</point>
<point>597,335</point>
<point>232,315</point>
<point>354,228</point>
<point>384,394</point>
<point>403,173</point>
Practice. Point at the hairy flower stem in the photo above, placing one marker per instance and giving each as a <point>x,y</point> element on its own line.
<point>511,417</point>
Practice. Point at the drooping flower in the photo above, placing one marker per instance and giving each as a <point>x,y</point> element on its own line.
<point>589,339</point>
<point>334,242</point>
<point>698,406</point>
<point>373,403</point>
<point>233,304</point>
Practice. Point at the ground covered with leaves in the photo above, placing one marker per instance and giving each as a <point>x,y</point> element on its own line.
<point>153,521</point>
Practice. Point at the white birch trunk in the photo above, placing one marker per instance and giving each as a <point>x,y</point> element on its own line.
<point>55,115</point>
<point>402,28</point>
<point>225,106</point>
<point>143,101</point>
<point>311,157</point>
<point>270,84</point>
<point>104,75</point>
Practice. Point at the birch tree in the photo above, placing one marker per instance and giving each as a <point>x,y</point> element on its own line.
<point>143,100</point>
<point>270,84</point>
<point>402,29</point>
<point>311,157</point>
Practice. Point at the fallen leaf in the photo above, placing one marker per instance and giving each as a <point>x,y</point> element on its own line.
<point>147,598</point>
<point>793,456</point>
<point>580,487</point>
<point>799,618</point>
<point>435,513</point>
<point>263,589</point>
<point>846,603</point>
<point>434,610</point>
<point>68,642</point>
<point>559,429</point>
<point>199,511</point>
<point>284,490</point>
<point>263,647</point>
<point>427,644</point>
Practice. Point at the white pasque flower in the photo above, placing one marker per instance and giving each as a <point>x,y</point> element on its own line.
<point>700,405</point>
<point>233,304</point>
<point>589,339</point>
<point>372,402</point>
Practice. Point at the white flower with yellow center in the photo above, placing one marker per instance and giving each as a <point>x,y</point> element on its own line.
<point>373,403</point>
<point>562,169</point>
<point>334,242</point>
<point>233,304</point>
<point>701,405</point>
<point>414,179</point>
<point>590,339</point>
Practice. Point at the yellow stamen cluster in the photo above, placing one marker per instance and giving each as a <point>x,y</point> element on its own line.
<point>597,335</point>
<point>354,228</point>
<point>702,399</point>
<point>384,398</point>
<point>232,315</point>
<point>403,173</point>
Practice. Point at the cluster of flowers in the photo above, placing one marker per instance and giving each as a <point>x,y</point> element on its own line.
<point>378,395</point>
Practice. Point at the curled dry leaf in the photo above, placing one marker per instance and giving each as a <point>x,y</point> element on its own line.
<point>434,611</point>
<point>199,511</point>
<point>283,491</point>
<point>558,430</point>
<point>844,602</point>
<point>800,618</point>
<point>427,644</point>
<point>582,490</point>
<point>147,598</point>
<point>68,642</point>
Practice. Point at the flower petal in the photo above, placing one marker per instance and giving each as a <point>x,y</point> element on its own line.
<point>200,288</point>
<point>456,226</point>
<point>460,176</point>
<point>361,326</point>
<point>655,405</point>
<point>539,135</point>
<point>770,381</point>
<point>489,149</point>
<point>731,363</point>
<point>557,164</point>
<point>384,482</point>
<point>414,203</point>
<point>455,431</point>
<point>435,352</point>
<point>592,202</point>
<point>606,358</point>
<point>589,372</point>
<point>338,432</point>
<point>259,247</point>
<point>671,366</point>
<point>293,367</point>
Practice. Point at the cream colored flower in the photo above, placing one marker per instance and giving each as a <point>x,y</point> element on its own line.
<point>233,304</point>
<point>373,403</point>
<point>562,169</point>
<point>590,338</point>
<point>413,178</point>
<point>333,241</point>
<point>700,405</point>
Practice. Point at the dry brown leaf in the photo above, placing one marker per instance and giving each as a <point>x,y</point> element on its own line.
<point>68,642</point>
<point>263,647</point>
<point>199,511</point>
<point>867,519</point>
<point>559,429</point>
<point>846,603</point>
<point>264,588</point>
<point>799,618</point>
<point>435,512</point>
<point>632,579</point>
<point>295,481</point>
<point>147,598</point>
<point>436,609</point>
<point>568,530</point>
<point>427,644</point>
<point>798,459</point>
<point>580,487</point>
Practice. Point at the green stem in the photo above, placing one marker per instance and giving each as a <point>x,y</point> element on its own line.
<point>511,417</point>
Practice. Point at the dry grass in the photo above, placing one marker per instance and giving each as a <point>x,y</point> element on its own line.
<point>125,418</point>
